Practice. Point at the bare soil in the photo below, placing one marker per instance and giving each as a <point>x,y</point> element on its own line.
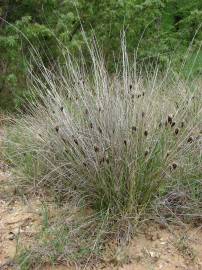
<point>153,248</point>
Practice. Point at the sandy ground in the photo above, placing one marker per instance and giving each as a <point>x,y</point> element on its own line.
<point>153,248</point>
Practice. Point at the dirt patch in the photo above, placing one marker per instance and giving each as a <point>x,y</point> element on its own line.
<point>18,219</point>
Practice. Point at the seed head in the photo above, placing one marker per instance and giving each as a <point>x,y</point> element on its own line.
<point>57,129</point>
<point>91,125</point>
<point>61,108</point>
<point>190,139</point>
<point>143,93</point>
<point>174,165</point>
<point>168,154</point>
<point>134,129</point>
<point>125,142</point>
<point>138,96</point>
<point>177,131</point>
<point>96,148</point>
<point>100,130</point>
<point>130,86</point>
<point>146,153</point>
<point>172,124</point>
<point>145,133</point>
<point>170,119</point>
<point>76,141</point>
<point>182,124</point>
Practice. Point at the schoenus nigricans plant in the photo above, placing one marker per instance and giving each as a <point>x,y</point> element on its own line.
<point>73,151</point>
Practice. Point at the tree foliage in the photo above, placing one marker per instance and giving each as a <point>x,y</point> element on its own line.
<point>161,29</point>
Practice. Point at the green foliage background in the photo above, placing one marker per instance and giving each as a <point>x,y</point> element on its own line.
<point>162,29</point>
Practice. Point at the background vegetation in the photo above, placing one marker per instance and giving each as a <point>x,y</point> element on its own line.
<point>161,29</point>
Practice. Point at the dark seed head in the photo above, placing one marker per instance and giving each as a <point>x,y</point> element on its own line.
<point>143,93</point>
<point>61,108</point>
<point>138,96</point>
<point>100,130</point>
<point>96,148</point>
<point>91,125</point>
<point>172,124</point>
<point>76,141</point>
<point>130,86</point>
<point>146,133</point>
<point>182,124</point>
<point>177,131</point>
<point>134,129</point>
<point>146,153</point>
<point>57,129</point>
<point>84,164</point>
<point>190,139</point>
<point>170,119</point>
<point>125,142</point>
<point>168,154</point>
<point>174,165</point>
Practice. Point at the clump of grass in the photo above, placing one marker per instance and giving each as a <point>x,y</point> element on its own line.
<point>98,141</point>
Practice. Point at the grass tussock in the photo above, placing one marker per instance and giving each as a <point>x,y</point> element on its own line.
<point>109,145</point>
